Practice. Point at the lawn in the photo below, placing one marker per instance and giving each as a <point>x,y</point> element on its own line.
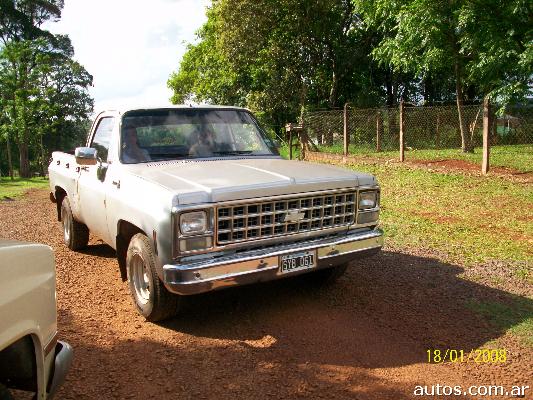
<point>10,189</point>
<point>518,157</point>
<point>469,219</point>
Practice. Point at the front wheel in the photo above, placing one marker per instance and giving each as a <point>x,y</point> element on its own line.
<point>151,298</point>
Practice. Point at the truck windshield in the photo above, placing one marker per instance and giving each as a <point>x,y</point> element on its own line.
<point>165,134</point>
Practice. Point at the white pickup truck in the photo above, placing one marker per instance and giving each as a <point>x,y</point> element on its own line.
<point>195,199</point>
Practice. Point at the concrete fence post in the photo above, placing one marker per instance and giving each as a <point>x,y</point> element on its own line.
<point>402,132</point>
<point>346,134</point>
<point>379,130</point>
<point>486,135</point>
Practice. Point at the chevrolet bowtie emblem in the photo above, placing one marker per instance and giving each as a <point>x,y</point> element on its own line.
<point>293,216</point>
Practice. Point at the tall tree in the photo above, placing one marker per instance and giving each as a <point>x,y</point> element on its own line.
<point>22,19</point>
<point>279,56</point>
<point>497,35</point>
<point>42,89</point>
<point>421,36</point>
<point>483,44</point>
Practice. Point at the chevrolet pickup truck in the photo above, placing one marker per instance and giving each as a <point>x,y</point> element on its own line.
<point>195,199</point>
<point>31,358</point>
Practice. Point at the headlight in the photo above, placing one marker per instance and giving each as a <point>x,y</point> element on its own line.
<point>194,222</point>
<point>368,200</point>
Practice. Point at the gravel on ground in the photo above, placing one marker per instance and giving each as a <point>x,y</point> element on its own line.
<point>364,337</point>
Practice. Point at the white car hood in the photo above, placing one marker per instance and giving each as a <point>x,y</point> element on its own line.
<point>218,180</point>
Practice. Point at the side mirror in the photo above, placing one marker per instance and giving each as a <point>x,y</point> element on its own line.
<point>85,155</point>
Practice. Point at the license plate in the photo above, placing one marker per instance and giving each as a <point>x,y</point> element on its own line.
<point>297,261</point>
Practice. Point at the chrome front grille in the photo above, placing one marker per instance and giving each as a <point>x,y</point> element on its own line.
<point>278,217</point>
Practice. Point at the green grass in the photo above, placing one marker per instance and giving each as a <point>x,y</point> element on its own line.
<point>284,152</point>
<point>10,189</point>
<point>518,157</point>
<point>516,318</point>
<point>470,219</point>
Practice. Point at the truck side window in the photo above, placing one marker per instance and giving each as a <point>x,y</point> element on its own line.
<point>102,137</point>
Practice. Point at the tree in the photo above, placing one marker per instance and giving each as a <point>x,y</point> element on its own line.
<point>43,89</point>
<point>22,19</point>
<point>476,42</point>
<point>497,35</point>
<point>279,56</point>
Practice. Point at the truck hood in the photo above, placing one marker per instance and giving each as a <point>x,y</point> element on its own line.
<point>235,179</point>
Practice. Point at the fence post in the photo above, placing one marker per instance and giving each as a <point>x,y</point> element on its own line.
<point>379,128</point>
<point>402,139</point>
<point>437,137</point>
<point>290,144</point>
<point>486,135</point>
<point>346,135</point>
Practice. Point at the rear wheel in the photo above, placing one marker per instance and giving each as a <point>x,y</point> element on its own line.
<point>75,234</point>
<point>150,296</point>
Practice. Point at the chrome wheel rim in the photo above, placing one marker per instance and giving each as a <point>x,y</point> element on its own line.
<point>65,217</point>
<point>141,278</point>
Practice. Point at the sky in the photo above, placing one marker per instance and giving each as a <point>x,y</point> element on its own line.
<point>130,47</point>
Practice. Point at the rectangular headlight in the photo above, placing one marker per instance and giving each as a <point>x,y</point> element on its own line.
<point>194,222</point>
<point>368,200</point>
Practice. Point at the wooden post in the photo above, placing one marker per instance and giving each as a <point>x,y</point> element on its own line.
<point>437,135</point>
<point>290,144</point>
<point>346,134</point>
<point>486,135</point>
<point>379,128</point>
<point>402,139</point>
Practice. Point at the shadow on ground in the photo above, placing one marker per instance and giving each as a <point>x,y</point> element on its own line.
<point>99,250</point>
<point>386,311</point>
<point>287,339</point>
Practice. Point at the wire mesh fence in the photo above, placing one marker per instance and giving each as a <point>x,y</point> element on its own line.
<point>325,127</point>
<point>435,127</point>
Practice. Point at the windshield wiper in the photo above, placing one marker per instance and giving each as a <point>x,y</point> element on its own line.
<point>233,152</point>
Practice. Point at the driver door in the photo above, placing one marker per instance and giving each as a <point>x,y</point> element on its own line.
<point>93,183</point>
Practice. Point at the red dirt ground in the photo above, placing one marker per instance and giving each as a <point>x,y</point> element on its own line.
<point>470,167</point>
<point>364,337</point>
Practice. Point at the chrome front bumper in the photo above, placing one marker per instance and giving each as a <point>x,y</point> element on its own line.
<point>62,362</point>
<point>263,264</point>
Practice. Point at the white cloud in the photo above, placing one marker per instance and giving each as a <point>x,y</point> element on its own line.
<point>130,47</point>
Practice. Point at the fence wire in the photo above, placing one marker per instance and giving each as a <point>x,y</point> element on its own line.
<point>435,127</point>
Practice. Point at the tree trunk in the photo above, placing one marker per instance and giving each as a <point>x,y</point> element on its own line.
<point>43,159</point>
<point>24,168</point>
<point>334,87</point>
<point>390,91</point>
<point>9,159</point>
<point>466,144</point>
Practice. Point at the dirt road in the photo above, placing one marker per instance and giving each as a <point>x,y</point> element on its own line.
<point>366,337</point>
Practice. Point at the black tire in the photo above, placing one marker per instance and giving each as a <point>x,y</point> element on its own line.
<point>151,298</point>
<point>5,394</point>
<point>327,276</point>
<point>75,234</point>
